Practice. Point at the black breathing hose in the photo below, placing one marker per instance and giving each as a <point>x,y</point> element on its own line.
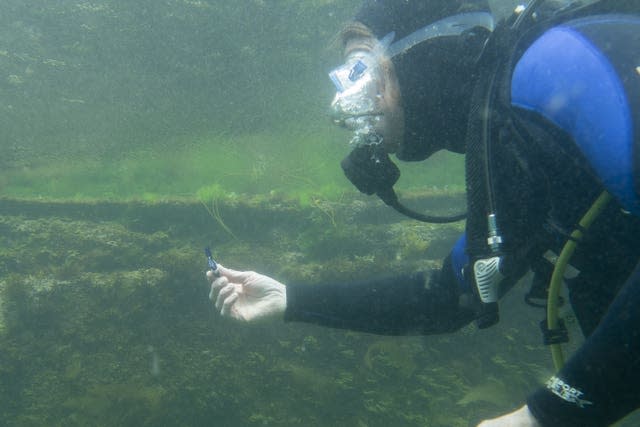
<point>370,169</point>
<point>389,197</point>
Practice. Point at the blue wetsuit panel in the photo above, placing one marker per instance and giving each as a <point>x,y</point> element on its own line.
<point>459,259</point>
<point>566,77</point>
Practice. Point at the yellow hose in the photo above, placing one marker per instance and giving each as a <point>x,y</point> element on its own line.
<point>560,267</point>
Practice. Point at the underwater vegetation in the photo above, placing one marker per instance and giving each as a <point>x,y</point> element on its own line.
<point>104,320</point>
<point>215,167</point>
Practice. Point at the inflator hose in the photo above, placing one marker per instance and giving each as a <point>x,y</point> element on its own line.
<point>560,267</point>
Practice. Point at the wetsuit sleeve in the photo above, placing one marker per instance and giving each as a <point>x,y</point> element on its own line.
<point>600,383</point>
<point>415,304</point>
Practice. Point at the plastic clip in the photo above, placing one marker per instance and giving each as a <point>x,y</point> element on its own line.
<point>558,335</point>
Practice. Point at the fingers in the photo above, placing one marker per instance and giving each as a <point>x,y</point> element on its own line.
<point>226,284</point>
<point>226,299</point>
<point>226,302</point>
<point>217,284</point>
<point>227,305</point>
<point>234,275</point>
<point>224,293</point>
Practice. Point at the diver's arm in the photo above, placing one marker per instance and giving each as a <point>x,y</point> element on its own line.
<point>600,383</point>
<point>421,303</point>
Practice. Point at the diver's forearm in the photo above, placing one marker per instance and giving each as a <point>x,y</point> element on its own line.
<point>415,304</point>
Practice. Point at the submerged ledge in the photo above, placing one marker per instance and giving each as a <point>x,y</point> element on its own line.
<point>242,211</point>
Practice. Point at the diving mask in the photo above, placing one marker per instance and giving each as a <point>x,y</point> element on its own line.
<point>357,104</point>
<point>365,82</point>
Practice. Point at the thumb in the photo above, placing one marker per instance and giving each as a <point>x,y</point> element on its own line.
<point>234,275</point>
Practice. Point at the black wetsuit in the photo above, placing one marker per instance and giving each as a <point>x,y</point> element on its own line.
<point>573,131</point>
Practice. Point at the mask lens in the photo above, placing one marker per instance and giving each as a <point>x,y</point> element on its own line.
<point>357,70</point>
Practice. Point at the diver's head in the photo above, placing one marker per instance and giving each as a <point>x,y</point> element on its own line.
<point>428,84</point>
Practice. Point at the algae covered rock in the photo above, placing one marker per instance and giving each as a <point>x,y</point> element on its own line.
<point>105,320</point>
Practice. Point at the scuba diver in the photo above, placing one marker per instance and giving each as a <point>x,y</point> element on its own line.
<point>545,105</point>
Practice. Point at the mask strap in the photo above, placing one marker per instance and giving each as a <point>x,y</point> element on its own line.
<point>451,26</point>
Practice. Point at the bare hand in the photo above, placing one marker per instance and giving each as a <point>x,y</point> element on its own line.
<point>520,418</point>
<point>246,295</point>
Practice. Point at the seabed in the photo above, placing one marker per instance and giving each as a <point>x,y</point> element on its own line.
<point>105,320</point>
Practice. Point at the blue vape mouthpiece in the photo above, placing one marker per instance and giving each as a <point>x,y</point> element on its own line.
<point>212,264</point>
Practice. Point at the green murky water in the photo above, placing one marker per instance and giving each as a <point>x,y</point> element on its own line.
<point>136,132</point>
